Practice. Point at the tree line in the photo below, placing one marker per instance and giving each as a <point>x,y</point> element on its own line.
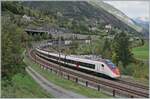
<point>13,39</point>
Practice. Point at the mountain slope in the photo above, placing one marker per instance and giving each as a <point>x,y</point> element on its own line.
<point>121,16</point>
<point>81,16</point>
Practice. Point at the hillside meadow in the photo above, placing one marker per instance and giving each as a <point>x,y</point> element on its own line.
<point>141,52</point>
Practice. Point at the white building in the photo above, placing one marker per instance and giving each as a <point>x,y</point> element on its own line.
<point>67,42</point>
<point>108,26</point>
<point>87,41</point>
<point>26,17</point>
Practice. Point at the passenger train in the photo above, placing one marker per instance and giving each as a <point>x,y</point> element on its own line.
<point>103,66</point>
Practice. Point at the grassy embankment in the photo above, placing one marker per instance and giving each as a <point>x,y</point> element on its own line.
<point>22,86</point>
<point>67,84</point>
<point>141,52</point>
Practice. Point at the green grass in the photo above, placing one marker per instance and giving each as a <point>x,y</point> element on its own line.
<point>141,52</point>
<point>23,86</point>
<point>67,84</point>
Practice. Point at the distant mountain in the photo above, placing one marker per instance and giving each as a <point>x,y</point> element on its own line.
<point>82,15</point>
<point>117,13</point>
<point>144,19</point>
<point>144,23</point>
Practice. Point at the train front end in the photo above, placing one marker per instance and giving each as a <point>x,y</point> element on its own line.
<point>114,69</point>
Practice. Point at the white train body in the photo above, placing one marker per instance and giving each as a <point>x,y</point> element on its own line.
<point>104,67</point>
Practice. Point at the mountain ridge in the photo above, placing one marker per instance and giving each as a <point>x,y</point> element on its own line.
<point>120,15</point>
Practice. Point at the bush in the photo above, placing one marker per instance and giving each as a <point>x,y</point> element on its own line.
<point>139,70</point>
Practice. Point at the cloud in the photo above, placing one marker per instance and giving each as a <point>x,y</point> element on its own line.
<point>132,8</point>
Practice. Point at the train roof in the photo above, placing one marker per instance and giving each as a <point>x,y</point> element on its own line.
<point>82,58</point>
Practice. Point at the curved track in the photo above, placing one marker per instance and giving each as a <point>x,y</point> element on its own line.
<point>117,85</point>
<point>118,80</point>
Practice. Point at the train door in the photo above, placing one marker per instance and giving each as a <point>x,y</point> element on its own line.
<point>102,66</point>
<point>98,68</point>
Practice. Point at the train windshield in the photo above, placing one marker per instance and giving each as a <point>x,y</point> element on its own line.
<point>110,64</point>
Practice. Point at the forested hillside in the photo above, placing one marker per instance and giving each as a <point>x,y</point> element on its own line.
<point>15,82</point>
<point>12,39</point>
<point>81,17</point>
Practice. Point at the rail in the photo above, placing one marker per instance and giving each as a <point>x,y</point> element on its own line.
<point>88,81</point>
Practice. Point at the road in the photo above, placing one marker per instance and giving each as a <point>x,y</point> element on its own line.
<point>56,91</point>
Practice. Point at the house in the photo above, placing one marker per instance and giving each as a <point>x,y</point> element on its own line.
<point>26,18</point>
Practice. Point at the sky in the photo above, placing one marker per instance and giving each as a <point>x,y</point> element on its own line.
<point>132,9</point>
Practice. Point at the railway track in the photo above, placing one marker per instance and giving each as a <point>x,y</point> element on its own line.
<point>130,89</point>
<point>118,80</point>
<point>134,84</point>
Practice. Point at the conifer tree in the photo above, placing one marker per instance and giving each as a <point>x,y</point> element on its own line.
<point>121,49</point>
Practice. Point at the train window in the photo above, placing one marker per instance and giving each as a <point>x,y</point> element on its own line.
<point>87,65</point>
<point>70,61</point>
<point>102,65</point>
<point>110,64</point>
<point>92,66</point>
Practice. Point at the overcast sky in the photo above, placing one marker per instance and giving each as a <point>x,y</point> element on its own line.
<point>132,9</point>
